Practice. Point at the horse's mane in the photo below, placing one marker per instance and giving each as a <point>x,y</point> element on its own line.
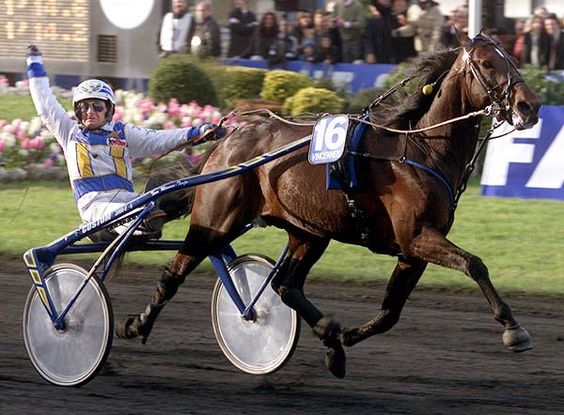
<point>408,109</point>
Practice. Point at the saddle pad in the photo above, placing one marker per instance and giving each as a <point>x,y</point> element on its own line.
<point>342,175</point>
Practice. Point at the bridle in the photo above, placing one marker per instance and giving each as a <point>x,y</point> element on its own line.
<point>502,98</point>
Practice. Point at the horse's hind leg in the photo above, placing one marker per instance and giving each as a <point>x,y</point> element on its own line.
<point>401,284</point>
<point>432,246</point>
<point>289,283</point>
<point>172,277</point>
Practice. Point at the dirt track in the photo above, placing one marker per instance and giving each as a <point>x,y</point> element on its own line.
<point>444,356</point>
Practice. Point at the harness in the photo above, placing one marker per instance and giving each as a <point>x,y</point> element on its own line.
<point>342,174</point>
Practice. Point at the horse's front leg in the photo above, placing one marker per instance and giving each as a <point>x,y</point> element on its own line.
<point>289,283</point>
<point>431,246</point>
<point>401,284</point>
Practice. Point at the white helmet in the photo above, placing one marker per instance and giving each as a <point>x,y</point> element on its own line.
<point>94,89</point>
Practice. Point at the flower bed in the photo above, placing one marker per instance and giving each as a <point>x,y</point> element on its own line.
<point>29,151</point>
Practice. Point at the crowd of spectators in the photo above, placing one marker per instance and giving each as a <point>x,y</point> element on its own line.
<point>385,31</point>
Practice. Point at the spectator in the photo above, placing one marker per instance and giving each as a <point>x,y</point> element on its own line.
<point>285,47</point>
<point>177,29</point>
<point>325,29</point>
<point>403,41</point>
<point>310,52</point>
<point>327,52</point>
<point>541,11</point>
<point>264,37</point>
<point>427,22</point>
<point>206,41</point>
<point>350,21</point>
<point>458,21</point>
<point>520,30</point>
<point>377,37</point>
<point>556,52</point>
<point>304,30</point>
<point>536,44</point>
<point>242,24</point>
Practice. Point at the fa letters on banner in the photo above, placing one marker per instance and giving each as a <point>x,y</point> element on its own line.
<point>528,163</point>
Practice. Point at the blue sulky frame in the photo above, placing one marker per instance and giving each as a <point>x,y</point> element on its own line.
<point>38,260</point>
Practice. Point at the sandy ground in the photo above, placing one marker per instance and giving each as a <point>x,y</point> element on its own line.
<point>444,356</point>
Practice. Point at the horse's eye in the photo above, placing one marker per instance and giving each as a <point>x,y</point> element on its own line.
<point>487,64</point>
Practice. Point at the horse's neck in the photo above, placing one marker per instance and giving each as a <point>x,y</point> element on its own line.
<point>450,147</point>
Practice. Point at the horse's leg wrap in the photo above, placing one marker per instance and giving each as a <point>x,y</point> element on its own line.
<point>329,331</point>
<point>142,324</point>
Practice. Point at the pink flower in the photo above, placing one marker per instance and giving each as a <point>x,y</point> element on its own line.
<point>118,116</point>
<point>15,126</point>
<point>21,134</point>
<point>173,107</point>
<point>168,124</point>
<point>3,123</point>
<point>25,144</point>
<point>2,146</point>
<point>36,143</point>
<point>48,163</point>
<point>145,106</point>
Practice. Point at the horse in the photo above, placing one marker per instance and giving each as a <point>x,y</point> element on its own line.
<point>405,208</point>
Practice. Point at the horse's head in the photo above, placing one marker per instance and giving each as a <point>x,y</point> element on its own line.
<point>492,78</point>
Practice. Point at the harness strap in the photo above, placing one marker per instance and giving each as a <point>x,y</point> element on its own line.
<point>438,176</point>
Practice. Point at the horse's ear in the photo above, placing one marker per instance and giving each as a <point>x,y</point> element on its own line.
<point>461,36</point>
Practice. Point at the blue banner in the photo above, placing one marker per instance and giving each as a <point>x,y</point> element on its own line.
<point>529,163</point>
<point>352,76</point>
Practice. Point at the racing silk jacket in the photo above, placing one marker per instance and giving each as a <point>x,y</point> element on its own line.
<point>98,161</point>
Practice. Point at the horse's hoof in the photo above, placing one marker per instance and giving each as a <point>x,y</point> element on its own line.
<point>349,337</point>
<point>336,361</point>
<point>128,328</point>
<point>517,339</point>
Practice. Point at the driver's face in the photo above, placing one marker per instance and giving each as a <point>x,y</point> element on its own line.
<point>92,113</point>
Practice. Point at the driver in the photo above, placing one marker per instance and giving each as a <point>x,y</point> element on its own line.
<point>98,150</point>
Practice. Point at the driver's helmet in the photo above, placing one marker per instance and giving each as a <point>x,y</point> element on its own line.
<point>94,89</point>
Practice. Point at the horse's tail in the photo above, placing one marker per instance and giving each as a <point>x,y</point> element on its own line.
<point>179,203</point>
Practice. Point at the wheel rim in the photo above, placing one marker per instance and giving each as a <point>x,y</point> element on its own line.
<point>261,345</point>
<point>73,355</point>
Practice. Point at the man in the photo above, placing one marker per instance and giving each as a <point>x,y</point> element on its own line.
<point>97,149</point>
<point>206,41</point>
<point>242,24</point>
<point>556,51</point>
<point>177,30</point>
<point>427,22</point>
<point>350,21</point>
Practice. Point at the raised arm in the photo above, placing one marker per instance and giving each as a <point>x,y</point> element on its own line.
<point>48,108</point>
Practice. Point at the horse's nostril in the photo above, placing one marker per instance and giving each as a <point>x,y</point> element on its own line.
<point>524,107</point>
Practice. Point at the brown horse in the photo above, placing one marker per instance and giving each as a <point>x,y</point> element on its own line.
<point>405,209</point>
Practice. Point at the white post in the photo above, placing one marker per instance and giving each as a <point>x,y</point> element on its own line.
<point>474,17</point>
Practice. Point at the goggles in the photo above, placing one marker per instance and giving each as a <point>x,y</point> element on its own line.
<point>96,106</point>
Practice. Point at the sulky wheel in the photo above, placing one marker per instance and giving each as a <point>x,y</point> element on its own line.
<point>74,354</point>
<point>261,345</point>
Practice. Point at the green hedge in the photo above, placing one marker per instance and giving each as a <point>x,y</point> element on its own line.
<point>240,83</point>
<point>279,85</point>
<point>313,100</point>
<point>177,76</point>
